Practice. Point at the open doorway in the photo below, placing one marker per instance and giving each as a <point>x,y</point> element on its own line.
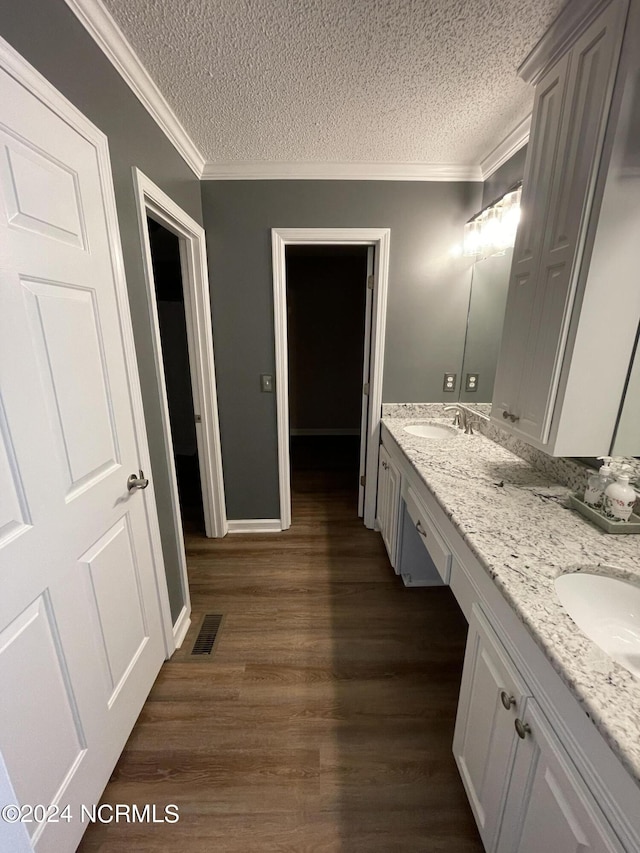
<point>377,241</point>
<point>172,324</point>
<point>326,319</point>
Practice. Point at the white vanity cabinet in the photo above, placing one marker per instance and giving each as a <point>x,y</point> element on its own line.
<point>555,785</point>
<point>525,793</point>
<point>548,806</point>
<point>552,354</point>
<point>492,693</point>
<point>388,504</point>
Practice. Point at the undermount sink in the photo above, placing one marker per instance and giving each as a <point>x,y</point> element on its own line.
<point>437,431</point>
<point>607,610</point>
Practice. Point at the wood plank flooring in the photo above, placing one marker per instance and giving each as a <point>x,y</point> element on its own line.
<point>324,722</point>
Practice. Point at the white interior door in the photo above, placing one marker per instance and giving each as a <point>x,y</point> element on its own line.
<point>81,636</point>
<point>366,370</point>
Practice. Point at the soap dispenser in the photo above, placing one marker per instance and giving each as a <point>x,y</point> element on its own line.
<point>598,482</point>
<point>619,498</point>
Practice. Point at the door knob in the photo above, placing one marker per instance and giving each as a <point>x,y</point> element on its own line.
<point>507,701</point>
<point>138,481</point>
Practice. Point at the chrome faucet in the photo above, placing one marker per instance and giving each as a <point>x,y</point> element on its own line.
<point>462,418</point>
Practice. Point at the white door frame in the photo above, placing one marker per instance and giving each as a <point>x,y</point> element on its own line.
<point>280,238</point>
<point>152,201</point>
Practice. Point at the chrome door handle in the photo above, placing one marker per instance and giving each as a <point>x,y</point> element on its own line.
<point>138,481</point>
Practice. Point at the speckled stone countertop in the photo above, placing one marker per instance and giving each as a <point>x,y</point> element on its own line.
<point>512,517</point>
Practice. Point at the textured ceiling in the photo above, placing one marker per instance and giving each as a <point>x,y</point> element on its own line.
<point>413,81</point>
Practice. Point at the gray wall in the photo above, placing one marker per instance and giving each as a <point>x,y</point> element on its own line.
<point>427,308</point>
<point>50,37</point>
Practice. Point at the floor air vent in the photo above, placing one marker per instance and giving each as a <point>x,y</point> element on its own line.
<point>207,635</point>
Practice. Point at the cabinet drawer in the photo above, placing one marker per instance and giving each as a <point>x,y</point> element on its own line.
<point>431,539</point>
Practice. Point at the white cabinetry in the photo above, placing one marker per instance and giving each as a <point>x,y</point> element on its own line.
<point>491,695</point>
<point>525,792</point>
<point>548,806</point>
<point>548,301</point>
<point>558,789</point>
<point>388,503</point>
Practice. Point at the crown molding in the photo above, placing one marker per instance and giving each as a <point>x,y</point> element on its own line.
<point>565,30</point>
<point>248,171</point>
<point>512,143</point>
<point>105,32</point>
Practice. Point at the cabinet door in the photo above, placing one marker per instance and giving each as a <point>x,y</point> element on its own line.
<point>536,192</point>
<point>390,535</point>
<point>491,695</point>
<point>383,489</point>
<point>388,503</point>
<point>593,62</point>
<point>548,806</point>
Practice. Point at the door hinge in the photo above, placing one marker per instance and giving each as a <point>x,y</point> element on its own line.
<point>365,388</point>
<point>370,281</point>
<point>363,480</point>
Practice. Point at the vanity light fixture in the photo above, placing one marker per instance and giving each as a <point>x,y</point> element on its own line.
<point>493,230</point>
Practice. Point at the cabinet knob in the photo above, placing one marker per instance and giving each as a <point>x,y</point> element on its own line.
<point>421,529</point>
<point>523,729</point>
<point>507,701</point>
<point>509,416</point>
<point>384,465</point>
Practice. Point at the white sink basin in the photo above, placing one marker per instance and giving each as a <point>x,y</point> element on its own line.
<point>437,431</point>
<point>607,610</point>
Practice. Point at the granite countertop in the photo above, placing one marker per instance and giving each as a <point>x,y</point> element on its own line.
<point>513,518</point>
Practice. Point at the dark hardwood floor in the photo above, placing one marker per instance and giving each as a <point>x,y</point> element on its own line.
<point>324,720</point>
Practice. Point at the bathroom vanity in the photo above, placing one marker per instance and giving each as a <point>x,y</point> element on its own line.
<point>546,736</point>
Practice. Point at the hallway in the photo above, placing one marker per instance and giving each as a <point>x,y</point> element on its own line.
<point>324,720</point>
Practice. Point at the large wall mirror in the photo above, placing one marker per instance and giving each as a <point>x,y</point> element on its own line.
<point>487,302</point>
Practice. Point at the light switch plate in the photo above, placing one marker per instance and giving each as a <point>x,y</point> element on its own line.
<point>266,383</point>
<point>449,383</point>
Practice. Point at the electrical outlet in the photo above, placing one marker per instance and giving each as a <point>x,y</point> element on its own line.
<point>449,383</point>
<point>266,383</point>
<point>471,382</point>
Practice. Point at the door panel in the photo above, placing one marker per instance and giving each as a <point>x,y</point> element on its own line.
<point>366,369</point>
<point>536,192</point>
<point>69,354</point>
<point>41,195</point>
<point>81,637</point>
<point>115,586</point>
<point>484,740</point>
<point>47,735</point>
<point>549,806</point>
<point>14,512</point>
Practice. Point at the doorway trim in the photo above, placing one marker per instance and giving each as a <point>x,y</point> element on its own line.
<point>152,201</point>
<point>280,239</point>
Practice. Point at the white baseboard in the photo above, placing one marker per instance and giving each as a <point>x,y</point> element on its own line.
<point>347,431</point>
<point>255,525</point>
<point>181,627</point>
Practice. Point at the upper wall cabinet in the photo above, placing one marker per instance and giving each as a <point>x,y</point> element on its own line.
<point>564,358</point>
